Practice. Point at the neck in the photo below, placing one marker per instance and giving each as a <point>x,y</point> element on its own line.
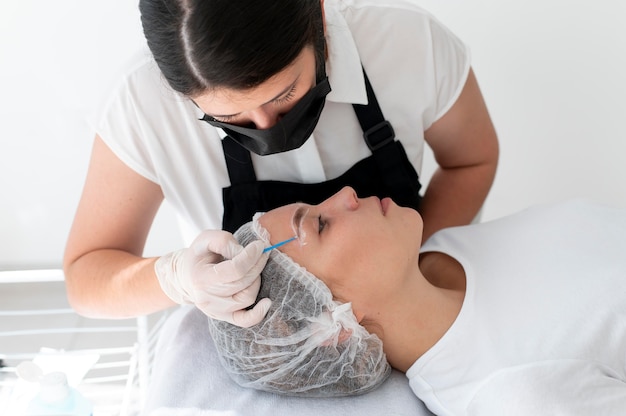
<point>418,316</point>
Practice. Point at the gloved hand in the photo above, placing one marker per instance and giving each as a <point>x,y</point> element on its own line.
<point>218,275</point>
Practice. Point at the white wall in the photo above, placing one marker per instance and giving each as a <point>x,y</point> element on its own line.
<point>55,56</point>
<point>552,73</point>
<point>550,70</point>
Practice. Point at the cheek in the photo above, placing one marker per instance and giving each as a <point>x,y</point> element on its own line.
<point>350,254</point>
<point>346,272</point>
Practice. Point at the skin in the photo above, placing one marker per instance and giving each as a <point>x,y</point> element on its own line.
<point>408,305</point>
<point>253,107</point>
<point>465,146</point>
<point>106,275</point>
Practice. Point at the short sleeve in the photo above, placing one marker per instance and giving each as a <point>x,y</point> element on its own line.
<point>148,126</point>
<point>118,127</point>
<point>119,116</point>
<point>451,60</point>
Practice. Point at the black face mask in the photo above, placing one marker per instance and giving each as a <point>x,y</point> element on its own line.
<point>291,131</point>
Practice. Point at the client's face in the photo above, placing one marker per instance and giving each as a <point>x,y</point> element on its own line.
<point>359,247</point>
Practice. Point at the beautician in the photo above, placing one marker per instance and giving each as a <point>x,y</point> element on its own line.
<point>246,105</point>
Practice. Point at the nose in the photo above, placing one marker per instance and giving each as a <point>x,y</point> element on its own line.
<point>264,118</point>
<point>345,199</point>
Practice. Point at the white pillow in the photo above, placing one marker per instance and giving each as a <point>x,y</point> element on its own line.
<point>187,379</point>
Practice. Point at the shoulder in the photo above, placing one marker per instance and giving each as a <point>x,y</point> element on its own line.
<point>378,15</point>
<point>141,77</point>
<point>137,90</point>
<point>565,224</point>
<point>573,212</point>
<point>572,387</point>
<point>405,5</point>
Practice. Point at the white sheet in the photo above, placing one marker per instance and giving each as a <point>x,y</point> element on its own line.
<point>188,380</point>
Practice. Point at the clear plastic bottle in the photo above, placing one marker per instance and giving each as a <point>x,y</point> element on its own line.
<point>57,397</point>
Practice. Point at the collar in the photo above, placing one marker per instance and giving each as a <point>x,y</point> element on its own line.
<point>343,66</point>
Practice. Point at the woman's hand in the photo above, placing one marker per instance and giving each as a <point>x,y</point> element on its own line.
<point>218,275</point>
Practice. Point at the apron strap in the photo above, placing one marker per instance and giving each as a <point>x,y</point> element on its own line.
<point>389,155</point>
<point>238,162</point>
<point>387,172</point>
<point>377,131</point>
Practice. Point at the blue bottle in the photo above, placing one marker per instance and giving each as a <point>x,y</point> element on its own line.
<point>57,397</point>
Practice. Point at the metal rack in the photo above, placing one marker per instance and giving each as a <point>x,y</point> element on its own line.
<point>109,361</point>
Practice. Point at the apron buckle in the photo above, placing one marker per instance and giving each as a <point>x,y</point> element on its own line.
<point>379,135</point>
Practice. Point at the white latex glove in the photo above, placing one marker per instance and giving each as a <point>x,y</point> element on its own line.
<point>218,275</point>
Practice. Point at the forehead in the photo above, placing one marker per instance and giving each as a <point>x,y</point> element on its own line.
<point>278,222</point>
<point>228,101</point>
<point>231,101</point>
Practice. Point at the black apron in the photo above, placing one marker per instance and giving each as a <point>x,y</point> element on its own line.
<point>386,173</point>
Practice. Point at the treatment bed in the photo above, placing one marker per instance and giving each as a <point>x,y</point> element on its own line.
<point>187,379</point>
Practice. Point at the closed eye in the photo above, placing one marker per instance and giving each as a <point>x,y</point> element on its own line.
<point>287,97</point>
<point>224,119</point>
<point>321,224</point>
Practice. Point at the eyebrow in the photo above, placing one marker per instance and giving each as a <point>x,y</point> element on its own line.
<point>280,94</point>
<point>297,217</point>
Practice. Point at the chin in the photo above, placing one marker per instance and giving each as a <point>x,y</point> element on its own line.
<point>414,221</point>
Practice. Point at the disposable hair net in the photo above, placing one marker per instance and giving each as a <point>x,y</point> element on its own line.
<point>308,344</point>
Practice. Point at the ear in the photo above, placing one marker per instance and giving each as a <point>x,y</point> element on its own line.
<point>358,315</point>
<point>344,335</point>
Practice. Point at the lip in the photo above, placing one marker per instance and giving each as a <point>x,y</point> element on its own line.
<point>384,204</point>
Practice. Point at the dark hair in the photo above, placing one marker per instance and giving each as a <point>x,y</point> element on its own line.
<point>238,44</point>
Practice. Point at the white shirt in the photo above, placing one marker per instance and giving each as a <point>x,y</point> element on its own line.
<point>416,66</point>
<point>542,329</point>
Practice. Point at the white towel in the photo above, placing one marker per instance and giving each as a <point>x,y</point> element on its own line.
<point>188,380</point>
